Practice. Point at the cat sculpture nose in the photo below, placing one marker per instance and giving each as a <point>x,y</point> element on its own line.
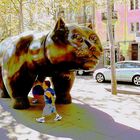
<point>95,52</point>
<point>88,44</point>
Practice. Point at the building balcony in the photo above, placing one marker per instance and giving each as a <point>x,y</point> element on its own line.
<point>114,17</point>
<point>84,20</point>
<point>81,19</point>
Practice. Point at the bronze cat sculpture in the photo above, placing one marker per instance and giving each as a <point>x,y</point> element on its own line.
<point>56,54</point>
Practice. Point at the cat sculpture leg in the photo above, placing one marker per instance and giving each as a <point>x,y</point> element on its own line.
<point>3,91</point>
<point>63,83</point>
<point>20,88</point>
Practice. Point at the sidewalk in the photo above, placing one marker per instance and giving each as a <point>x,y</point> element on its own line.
<point>90,117</point>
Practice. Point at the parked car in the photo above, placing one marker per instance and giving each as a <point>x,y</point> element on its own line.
<point>126,71</point>
<point>84,72</point>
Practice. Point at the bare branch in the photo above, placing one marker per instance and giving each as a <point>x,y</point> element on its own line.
<point>15,6</point>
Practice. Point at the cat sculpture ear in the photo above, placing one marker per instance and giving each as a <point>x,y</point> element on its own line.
<point>59,24</point>
<point>60,32</point>
<point>90,26</point>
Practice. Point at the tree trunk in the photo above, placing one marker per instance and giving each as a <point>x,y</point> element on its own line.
<point>20,17</point>
<point>93,16</point>
<point>112,52</point>
<point>84,14</point>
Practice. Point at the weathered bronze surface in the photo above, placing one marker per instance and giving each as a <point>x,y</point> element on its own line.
<point>56,54</point>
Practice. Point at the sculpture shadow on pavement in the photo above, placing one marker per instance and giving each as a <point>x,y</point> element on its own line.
<point>80,121</point>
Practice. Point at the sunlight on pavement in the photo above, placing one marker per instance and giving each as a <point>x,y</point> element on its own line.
<point>122,108</point>
<point>17,131</point>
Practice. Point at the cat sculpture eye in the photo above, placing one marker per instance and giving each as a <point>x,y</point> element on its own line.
<point>74,36</point>
<point>78,37</point>
<point>93,37</point>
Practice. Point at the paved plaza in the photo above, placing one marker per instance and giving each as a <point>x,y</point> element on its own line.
<point>95,114</point>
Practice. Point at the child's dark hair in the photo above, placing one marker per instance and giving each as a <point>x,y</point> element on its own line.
<point>48,83</point>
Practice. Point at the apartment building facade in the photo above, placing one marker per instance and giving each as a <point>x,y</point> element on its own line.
<point>126,27</point>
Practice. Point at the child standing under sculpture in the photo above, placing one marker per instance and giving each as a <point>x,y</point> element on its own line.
<point>49,99</point>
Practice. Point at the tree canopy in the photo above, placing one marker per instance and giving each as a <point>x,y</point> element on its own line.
<point>17,16</point>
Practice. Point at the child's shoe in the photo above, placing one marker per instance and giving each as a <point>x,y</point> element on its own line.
<point>40,120</point>
<point>58,118</point>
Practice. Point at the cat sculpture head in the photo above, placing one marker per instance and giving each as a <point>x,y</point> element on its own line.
<point>77,47</point>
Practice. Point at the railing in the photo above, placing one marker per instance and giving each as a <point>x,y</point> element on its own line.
<point>114,16</point>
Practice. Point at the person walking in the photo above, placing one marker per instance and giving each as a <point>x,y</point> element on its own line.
<point>49,98</point>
